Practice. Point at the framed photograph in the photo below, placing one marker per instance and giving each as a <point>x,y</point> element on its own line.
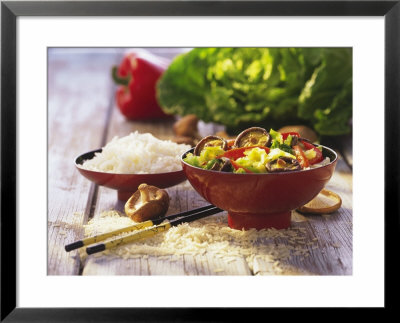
<point>321,76</point>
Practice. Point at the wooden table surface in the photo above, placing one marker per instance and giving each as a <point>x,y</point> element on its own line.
<point>82,116</point>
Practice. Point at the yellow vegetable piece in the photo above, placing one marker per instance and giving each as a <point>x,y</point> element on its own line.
<point>276,153</point>
<point>209,153</point>
<point>310,154</point>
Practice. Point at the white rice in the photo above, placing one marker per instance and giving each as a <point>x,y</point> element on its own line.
<point>324,162</point>
<point>137,154</point>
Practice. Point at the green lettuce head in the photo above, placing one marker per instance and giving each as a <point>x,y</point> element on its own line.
<point>268,87</point>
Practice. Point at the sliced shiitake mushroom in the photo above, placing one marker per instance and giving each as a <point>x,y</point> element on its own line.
<point>295,141</point>
<point>210,141</point>
<point>254,136</point>
<point>222,164</point>
<point>227,165</point>
<point>217,165</point>
<point>283,164</point>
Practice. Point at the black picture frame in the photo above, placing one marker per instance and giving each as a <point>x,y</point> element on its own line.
<point>11,10</point>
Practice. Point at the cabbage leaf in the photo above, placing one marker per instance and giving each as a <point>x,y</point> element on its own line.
<point>268,87</point>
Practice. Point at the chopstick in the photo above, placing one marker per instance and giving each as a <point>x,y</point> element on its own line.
<point>152,231</point>
<point>139,226</point>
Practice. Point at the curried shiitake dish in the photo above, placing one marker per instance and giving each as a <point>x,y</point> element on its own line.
<point>255,150</point>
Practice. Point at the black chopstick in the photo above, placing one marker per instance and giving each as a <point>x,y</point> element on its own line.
<point>183,214</point>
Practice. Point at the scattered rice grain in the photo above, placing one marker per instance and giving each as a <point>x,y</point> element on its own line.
<point>210,235</point>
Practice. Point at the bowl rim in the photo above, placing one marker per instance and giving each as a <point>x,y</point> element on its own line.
<point>263,174</point>
<point>99,150</point>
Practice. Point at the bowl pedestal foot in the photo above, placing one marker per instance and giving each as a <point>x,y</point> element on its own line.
<point>247,221</point>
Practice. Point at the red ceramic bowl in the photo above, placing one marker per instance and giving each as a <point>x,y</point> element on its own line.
<point>260,200</point>
<point>127,184</point>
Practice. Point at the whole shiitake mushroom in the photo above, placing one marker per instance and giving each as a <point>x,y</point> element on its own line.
<point>147,203</point>
<point>186,130</point>
<point>186,126</point>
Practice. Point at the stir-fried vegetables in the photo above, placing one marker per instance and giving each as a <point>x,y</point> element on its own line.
<point>256,150</point>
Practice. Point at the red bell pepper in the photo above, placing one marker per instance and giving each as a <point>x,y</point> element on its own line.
<point>318,157</point>
<point>300,156</point>
<point>136,95</point>
<point>307,145</point>
<point>239,152</point>
<point>286,134</point>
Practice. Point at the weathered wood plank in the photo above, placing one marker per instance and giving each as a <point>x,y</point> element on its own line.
<point>328,237</point>
<point>107,266</point>
<point>78,99</point>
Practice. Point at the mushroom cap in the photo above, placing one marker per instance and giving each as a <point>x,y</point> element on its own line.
<point>283,164</point>
<point>254,136</point>
<point>148,202</point>
<point>210,140</point>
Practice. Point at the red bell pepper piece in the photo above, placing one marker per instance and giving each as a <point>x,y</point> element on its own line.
<point>300,156</point>
<point>239,152</point>
<point>307,145</point>
<point>286,134</point>
<point>136,95</point>
<point>318,157</point>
